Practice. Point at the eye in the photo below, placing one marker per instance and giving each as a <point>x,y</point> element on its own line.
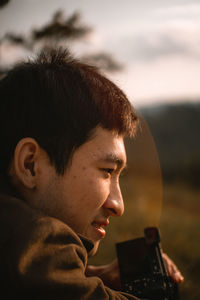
<point>108,171</point>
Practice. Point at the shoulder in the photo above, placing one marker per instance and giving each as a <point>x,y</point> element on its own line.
<point>34,243</point>
<point>42,257</point>
<point>25,225</point>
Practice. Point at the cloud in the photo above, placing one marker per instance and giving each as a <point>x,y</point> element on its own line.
<point>157,33</point>
<point>169,78</point>
<point>169,38</point>
<point>166,43</point>
<point>183,11</point>
<point>157,45</point>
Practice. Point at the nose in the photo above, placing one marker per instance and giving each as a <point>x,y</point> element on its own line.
<point>114,204</point>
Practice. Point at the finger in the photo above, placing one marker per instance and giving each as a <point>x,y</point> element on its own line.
<point>168,264</point>
<point>176,274</point>
<point>172,270</point>
<point>177,277</point>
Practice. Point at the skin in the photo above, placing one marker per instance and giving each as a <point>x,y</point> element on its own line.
<point>85,197</point>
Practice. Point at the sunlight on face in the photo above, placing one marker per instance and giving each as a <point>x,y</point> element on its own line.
<point>89,192</point>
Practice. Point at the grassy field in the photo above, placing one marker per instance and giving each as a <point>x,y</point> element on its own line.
<point>180,225</point>
<point>175,209</point>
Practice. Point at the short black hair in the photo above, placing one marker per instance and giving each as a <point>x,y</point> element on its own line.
<point>58,101</point>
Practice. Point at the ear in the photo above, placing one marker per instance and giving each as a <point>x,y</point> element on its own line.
<point>24,167</point>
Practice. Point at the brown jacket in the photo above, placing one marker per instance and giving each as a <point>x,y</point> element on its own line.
<point>43,258</point>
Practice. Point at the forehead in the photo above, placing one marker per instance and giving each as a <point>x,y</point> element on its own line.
<point>105,145</point>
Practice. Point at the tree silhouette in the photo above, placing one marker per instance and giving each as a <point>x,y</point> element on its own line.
<point>60,31</point>
<point>59,28</point>
<point>3,2</point>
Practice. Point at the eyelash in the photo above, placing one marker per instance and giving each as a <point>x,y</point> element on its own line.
<point>108,170</point>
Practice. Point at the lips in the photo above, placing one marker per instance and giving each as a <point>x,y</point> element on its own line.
<point>99,227</point>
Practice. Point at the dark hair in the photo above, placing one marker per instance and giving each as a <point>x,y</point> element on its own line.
<point>58,101</point>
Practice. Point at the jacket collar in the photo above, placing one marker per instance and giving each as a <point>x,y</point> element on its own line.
<point>88,244</point>
<point>7,188</point>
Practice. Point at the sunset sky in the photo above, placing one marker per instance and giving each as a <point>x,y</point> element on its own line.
<point>158,41</point>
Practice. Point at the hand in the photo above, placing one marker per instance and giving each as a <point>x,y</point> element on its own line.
<point>172,269</point>
<point>109,274</point>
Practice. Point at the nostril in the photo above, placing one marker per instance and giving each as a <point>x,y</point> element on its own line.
<point>113,211</point>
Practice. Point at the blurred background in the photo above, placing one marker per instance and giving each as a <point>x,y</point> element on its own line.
<point>151,49</point>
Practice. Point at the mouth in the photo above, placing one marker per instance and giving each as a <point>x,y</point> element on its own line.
<point>99,227</point>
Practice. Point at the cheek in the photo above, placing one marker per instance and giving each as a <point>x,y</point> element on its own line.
<point>93,189</point>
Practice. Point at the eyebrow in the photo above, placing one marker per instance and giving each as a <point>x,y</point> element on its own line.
<point>112,158</point>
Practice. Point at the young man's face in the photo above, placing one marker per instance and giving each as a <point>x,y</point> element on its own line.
<point>89,192</point>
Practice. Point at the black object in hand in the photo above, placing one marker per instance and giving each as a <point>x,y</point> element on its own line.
<point>142,269</point>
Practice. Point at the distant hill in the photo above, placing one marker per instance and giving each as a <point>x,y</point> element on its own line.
<point>176,132</point>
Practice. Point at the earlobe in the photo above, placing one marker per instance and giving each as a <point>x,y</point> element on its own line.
<point>24,166</point>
